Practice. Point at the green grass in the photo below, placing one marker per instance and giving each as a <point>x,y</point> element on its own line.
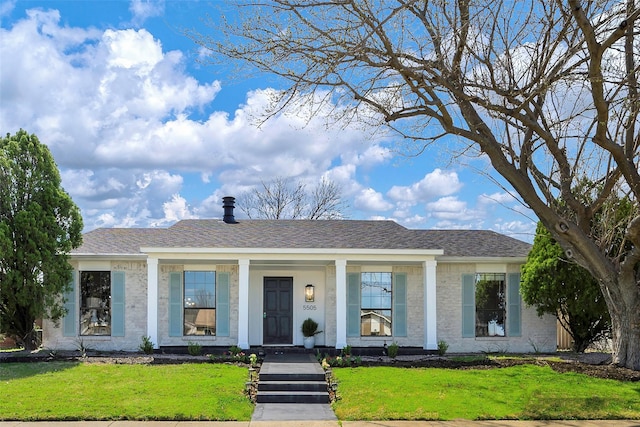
<point>520,392</point>
<point>81,391</point>
<point>77,391</point>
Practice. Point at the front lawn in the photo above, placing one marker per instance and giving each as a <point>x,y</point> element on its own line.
<point>83,391</point>
<point>204,391</point>
<point>518,392</point>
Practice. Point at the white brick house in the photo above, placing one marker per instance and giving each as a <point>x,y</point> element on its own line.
<point>251,283</point>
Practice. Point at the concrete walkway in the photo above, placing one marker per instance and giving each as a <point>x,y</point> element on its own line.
<point>292,364</point>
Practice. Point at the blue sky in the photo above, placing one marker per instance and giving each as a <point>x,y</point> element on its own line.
<point>145,135</point>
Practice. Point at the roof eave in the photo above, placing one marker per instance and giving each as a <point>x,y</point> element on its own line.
<point>114,255</point>
<point>484,259</point>
<point>284,251</point>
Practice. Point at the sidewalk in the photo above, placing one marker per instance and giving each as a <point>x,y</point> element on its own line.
<point>457,423</point>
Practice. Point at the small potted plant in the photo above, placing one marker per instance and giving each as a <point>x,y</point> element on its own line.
<point>309,331</point>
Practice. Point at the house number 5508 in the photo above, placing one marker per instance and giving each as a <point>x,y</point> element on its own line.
<point>309,307</point>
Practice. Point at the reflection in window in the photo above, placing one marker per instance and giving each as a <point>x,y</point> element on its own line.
<point>490,305</point>
<point>199,303</point>
<point>95,303</point>
<point>375,304</point>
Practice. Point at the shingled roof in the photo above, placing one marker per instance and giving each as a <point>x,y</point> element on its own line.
<point>300,234</point>
<point>117,240</point>
<point>473,243</point>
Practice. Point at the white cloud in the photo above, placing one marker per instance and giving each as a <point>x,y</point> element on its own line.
<point>502,198</point>
<point>434,184</point>
<point>114,197</point>
<point>451,209</point>
<point>175,210</point>
<point>98,98</point>
<point>120,117</point>
<point>371,200</point>
<point>144,9</point>
<point>372,155</point>
<point>123,50</point>
<point>344,176</point>
<point>447,204</point>
<point>6,7</point>
<point>410,220</point>
<point>523,230</point>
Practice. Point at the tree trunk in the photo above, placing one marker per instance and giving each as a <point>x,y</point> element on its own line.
<point>624,307</point>
<point>626,337</point>
<point>580,345</point>
<point>30,341</point>
<point>619,283</point>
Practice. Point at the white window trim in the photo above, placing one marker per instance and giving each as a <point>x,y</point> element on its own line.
<point>491,268</point>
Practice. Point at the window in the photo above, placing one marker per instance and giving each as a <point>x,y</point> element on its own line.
<point>375,304</point>
<point>490,297</point>
<point>95,303</point>
<point>199,303</point>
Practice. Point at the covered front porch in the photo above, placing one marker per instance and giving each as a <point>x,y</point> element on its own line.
<point>268,302</point>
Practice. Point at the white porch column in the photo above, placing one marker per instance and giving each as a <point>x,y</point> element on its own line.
<point>152,300</point>
<point>430,313</point>
<point>341,303</point>
<point>243,304</point>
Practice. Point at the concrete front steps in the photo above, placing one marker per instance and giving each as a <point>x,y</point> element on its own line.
<point>292,378</point>
<point>292,391</point>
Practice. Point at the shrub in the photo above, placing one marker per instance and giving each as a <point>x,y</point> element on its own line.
<point>194,348</point>
<point>346,351</point>
<point>392,350</point>
<point>341,362</point>
<point>147,345</point>
<point>442,347</point>
<point>234,350</point>
<point>310,328</point>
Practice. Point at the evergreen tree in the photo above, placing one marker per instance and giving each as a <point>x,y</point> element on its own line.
<point>39,225</point>
<point>561,287</point>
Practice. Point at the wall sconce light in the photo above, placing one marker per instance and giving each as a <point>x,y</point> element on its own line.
<point>309,293</point>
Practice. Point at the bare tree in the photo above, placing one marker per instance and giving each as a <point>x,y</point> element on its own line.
<point>326,201</point>
<point>281,198</point>
<point>547,90</point>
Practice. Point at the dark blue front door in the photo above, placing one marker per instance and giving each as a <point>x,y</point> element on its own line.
<point>278,310</point>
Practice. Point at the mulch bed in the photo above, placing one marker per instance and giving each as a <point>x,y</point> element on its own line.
<point>574,364</point>
<point>591,364</point>
<point>118,358</point>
